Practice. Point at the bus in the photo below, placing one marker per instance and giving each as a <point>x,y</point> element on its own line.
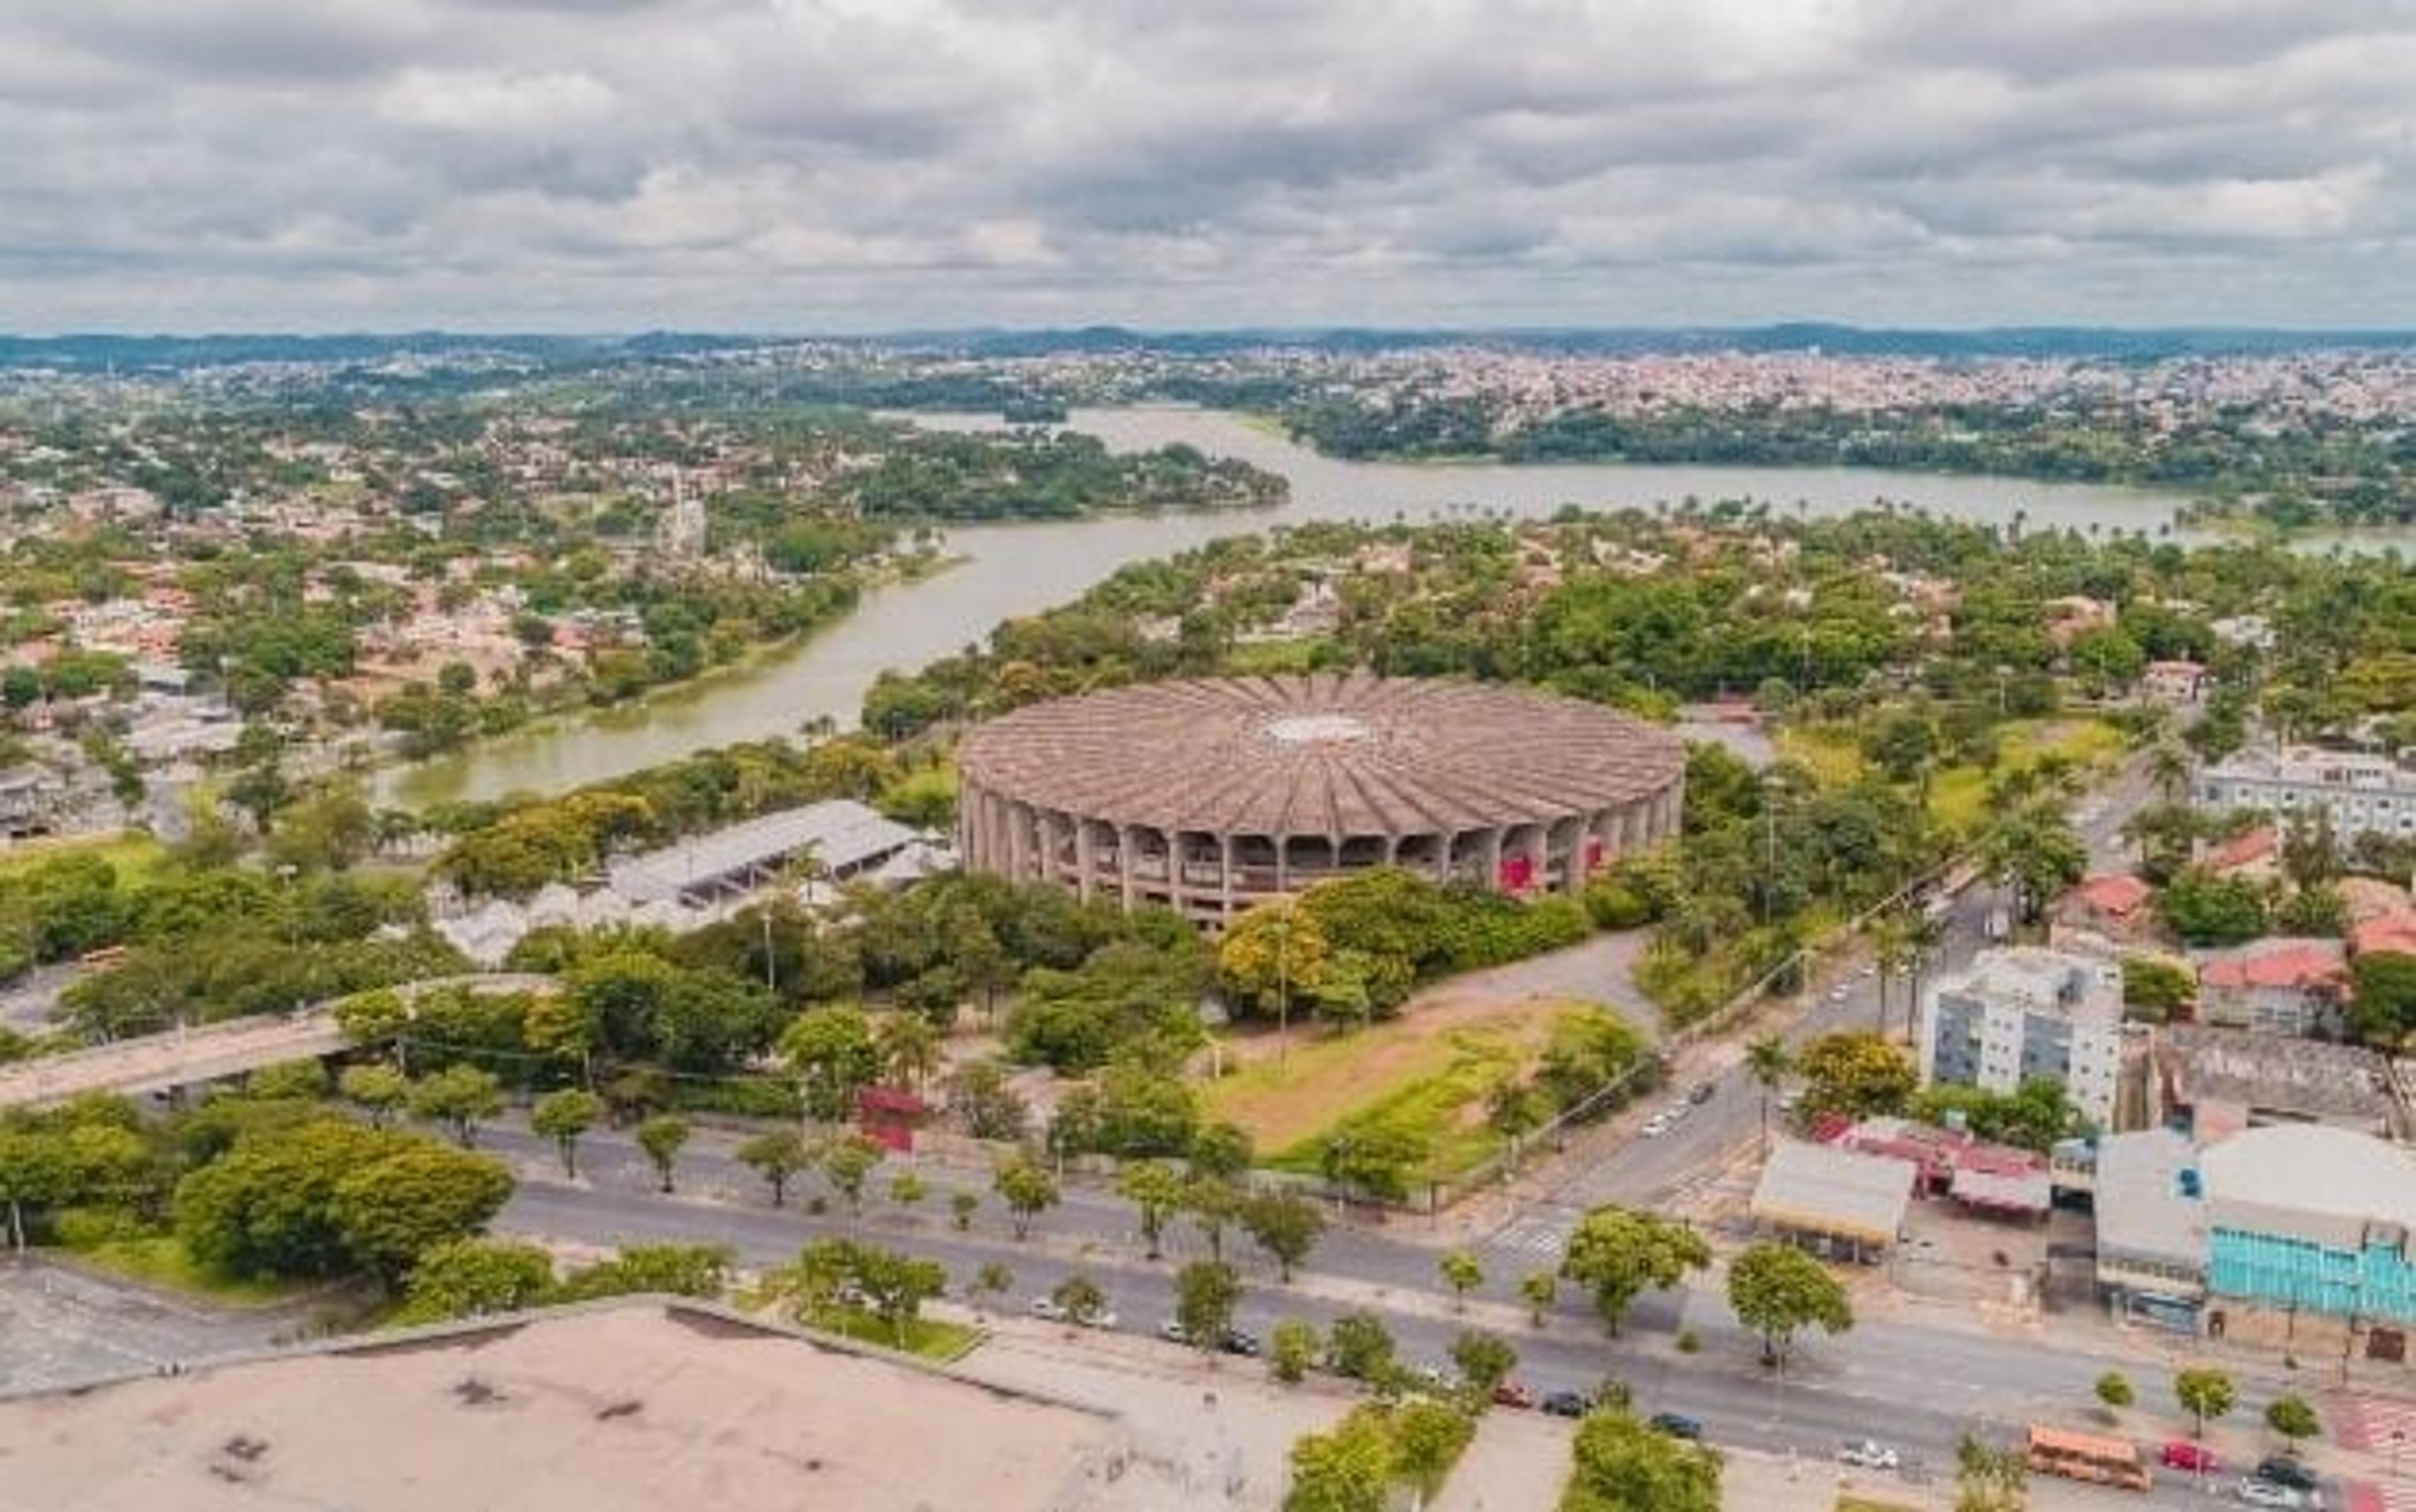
<point>2055,1451</point>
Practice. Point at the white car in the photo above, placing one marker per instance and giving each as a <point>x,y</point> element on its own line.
<point>1678,1109</point>
<point>1105,1317</point>
<point>1837,994</point>
<point>1657,1125</point>
<point>1048,1307</point>
<point>2273,1494</point>
<point>1869,1454</point>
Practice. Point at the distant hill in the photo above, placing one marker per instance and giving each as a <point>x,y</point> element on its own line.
<point>178,354</point>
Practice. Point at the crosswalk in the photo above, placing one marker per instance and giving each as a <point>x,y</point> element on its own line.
<point>1538,1236</point>
<point>2366,1496</point>
<point>2367,1423</point>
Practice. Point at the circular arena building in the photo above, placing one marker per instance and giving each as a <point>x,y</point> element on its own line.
<point>1210,797</point>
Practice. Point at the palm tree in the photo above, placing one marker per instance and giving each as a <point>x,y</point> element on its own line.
<point>1924,937</point>
<point>909,1048</point>
<point>1891,952</point>
<point>2170,768</point>
<point>1768,1062</point>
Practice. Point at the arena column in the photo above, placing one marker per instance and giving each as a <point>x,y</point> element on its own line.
<point>1174,892</point>
<point>1225,875</point>
<point>1492,853</point>
<point>1126,838</point>
<point>1086,859</point>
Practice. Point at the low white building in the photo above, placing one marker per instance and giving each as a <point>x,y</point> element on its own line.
<point>2021,1013</point>
<point>2363,792</point>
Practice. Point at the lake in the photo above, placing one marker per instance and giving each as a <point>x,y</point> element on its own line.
<point>1012,569</point>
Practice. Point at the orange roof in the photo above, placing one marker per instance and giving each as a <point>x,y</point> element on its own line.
<point>2254,846</point>
<point>2121,895</point>
<point>2392,933</point>
<point>2296,964</point>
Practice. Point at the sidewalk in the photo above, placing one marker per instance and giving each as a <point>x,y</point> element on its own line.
<point>1517,1463</point>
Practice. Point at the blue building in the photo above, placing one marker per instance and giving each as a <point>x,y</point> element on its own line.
<point>2311,1219</point>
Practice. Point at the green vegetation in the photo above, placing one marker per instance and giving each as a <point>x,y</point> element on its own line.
<point>1355,1466</point>
<point>1778,1291</point>
<point>1621,1465</point>
<point>161,1261</point>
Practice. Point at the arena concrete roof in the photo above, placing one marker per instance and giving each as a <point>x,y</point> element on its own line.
<point>1323,754</point>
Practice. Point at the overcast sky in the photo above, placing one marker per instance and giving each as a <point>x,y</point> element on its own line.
<point>872,164</point>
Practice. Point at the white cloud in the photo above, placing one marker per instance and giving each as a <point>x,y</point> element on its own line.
<point>867,163</point>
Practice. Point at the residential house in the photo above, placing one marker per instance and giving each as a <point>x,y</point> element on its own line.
<point>2283,986</point>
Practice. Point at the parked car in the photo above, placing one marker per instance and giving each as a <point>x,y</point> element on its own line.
<point>1869,1454</point>
<point>1700,1093</point>
<point>1657,1125</point>
<point>1048,1307</point>
<point>1678,1425</point>
<point>2183,1454</point>
<point>1173,1332</point>
<point>1237,1342</point>
<point>1564,1404</point>
<point>2282,1470</point>
<point>1511,1394</point>
<point>2273,1494</point>
<point>1103,1318</point>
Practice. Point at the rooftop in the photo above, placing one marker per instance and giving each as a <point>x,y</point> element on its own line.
<point>2119,895</point>
<point>2390,935</point>
<point>2308,1168</point>
<point>630,1407</point>
<point>2143,1209</point>
<point>2314,766</point>
<point>2043,981</point>
<point>1820,1189</point>
<point>2274,1076</point>
<point>1341,756</point>
<point>2283,962</point>
<point>838,835</point>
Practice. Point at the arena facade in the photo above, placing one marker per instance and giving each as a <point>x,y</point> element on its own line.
<point>1209,796</point>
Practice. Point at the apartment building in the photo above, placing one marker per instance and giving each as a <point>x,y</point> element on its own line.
<point>2020,1013</point>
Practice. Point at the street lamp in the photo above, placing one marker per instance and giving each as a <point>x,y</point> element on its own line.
<point>2398,1438</point>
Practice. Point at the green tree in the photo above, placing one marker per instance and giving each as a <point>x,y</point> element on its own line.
<point>1620,1253</point>
<point>2383,1006</point>
<point>417,1196</point>
<point>2114,1391</point>
<point>1856,1073</point>
<point>1539,1290</point>
<point>1205,1293</point>
<point>562,1117</point>
<point>1027,1190</point>
<point>834,1054</point>
<point>906,1188</point>
<point>1988,1478</point>
<point>1460,1271</point>
<point>1348,1468</point>
<point>2293,1418</point>
<point>1156,1191</point>
<point>908,1046</point>
<point>777,1157</point>
<point>1080,1298</point>
<point>670,1270</point>
<point>1483,1361</point>
<point>1375,1158</point>
<point>1768,1061</point>
<point>1293,1349</point>
<point>961,1207</point>
<point>461,1098</point>
<point>1273,953</point>
<point>661,1137</point>
<point>1778,1291</point>
<point>1222,1150</point>
<point>1428,1440</point>
<point>475,1277</point>
<point>1359,1347</point>
<point>2208,909</point>
<point>2035,851</point>
<point>896,1287</point>
<point>1284,1223</point>
<point>1620,1465</point>
<point>847,1164</point>
<point>2205,1393</point>
<point>1213,1205</point>
<point>376,1089</point>
<point>993,1280</point>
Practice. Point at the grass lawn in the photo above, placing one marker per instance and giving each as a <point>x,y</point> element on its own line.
<point>1957,794</point>
<point>1259,658</point>
<point>135,856</point>
<point>1429,1072</point>
<point>160,1261</point>
<point>925,1336</point>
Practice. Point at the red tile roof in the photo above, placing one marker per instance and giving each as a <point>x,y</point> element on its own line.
<point>2252,847</point>
<point>2391,934</point>
<point>2300,963</point>
<point>2119,895</point>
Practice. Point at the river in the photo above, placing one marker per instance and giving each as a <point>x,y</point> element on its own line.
<point>1010,570</point>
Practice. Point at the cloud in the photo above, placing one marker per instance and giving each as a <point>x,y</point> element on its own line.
<point>853,164</point>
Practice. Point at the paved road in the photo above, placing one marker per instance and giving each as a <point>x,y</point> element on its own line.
<point>1647,1172</point>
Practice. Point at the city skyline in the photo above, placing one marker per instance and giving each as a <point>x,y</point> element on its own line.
<point>594,165</point>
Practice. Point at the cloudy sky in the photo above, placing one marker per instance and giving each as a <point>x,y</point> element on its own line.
<point>872,164</point>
